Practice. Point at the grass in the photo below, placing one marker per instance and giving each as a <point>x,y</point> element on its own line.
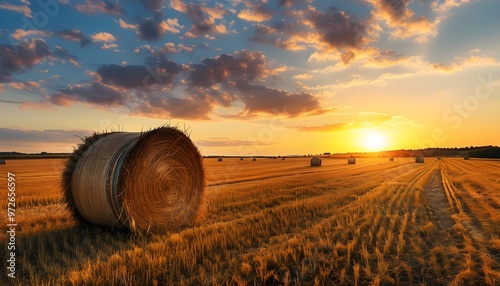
<point>275,222</point>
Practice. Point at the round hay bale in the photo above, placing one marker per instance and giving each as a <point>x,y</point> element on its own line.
<point>466,157</point>
<point>3,162</point>
<point>439,158</point>
<point>241,158</point>
<point>315,161</point>
<point>351,161</point>
<point>419,159</point>
<point>254,159</point>
<point>145,182</point>
<point>219,159</point>
<point>391,159</point>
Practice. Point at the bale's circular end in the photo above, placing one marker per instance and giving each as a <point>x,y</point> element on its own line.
<point>163,183</point>
<point>144,182</point>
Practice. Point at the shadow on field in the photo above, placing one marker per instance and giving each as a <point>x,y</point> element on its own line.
<point>49,254</point>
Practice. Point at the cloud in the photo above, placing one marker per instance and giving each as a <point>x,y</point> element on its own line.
<point>333,30</point>
<point>259,13</point>
<point>92,7</point>
<point>202,17</point>
<point>150,30</point>
<point>357,121</point>
<point>160,72</point>
<point>152,5</point>
<point>103,37</point>
<point>163,88</point>
<point>227,142</point>
<point>334,127</point>
<point>42,136</point>
<point>402,21</point>
<point>109,46</point>
<point>22,9</point>
<point>19,58</point>
<point>338,29</point>
<point>28,85</point>
<point>461,63</point>
<point>125,25</point>
<point>94,93</point>
<point>20,34</point>
<point>261,99</point>
<point>73,35</point>
<point>290,3</point>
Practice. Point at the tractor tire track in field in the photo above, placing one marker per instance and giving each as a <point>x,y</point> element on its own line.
<point>443,200</point>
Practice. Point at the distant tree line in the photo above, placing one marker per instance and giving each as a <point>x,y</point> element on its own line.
<point>486,152</point>
<point>478,152</point>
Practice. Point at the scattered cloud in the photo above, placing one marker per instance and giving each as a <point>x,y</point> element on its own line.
<point>258,13</point>
<point>42,136</point>
<point>92,7</point>
<point>74,35</point>
<point>461,63</point>
<point>227,142</point>
<point>19,58</point>
<point>94,93</point>
<point>22,9</point>
<point>202,17</point>
<point>103,37</point>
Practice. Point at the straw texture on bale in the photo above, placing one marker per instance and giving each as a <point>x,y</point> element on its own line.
<point>351,161</point>
<point>151,181</point>
<point>419,159</point>
<point>315,161</point>
<point>2,162</point>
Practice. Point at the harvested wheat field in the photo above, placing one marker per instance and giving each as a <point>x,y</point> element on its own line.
<point>275,222</point>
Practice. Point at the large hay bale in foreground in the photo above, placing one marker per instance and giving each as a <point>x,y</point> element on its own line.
<point>419,159</point>
<point>315,161</point>
<point>151,181</point>
<point>2,162</point>
<point>351,161</point>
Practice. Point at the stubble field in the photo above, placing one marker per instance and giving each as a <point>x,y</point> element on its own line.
<point>277,222</point>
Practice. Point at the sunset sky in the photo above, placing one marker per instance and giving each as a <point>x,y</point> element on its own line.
<point>252,77</point>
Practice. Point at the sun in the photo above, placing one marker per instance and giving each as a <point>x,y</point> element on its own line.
<point>374,141</point>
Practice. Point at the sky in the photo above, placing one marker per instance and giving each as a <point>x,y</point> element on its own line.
<point>252,77</point>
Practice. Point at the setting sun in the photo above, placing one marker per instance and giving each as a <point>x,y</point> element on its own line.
<point>374,141</point>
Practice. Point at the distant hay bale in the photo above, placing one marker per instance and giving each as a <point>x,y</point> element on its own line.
<point>254,159</point>
<point>3,162</point>
<point>351,161</point>
<point>283,158</point>
<point>241,158</point>
<point>315,161</point>
<point>391,159</point>
<point>219,159</point>
<point>466,157</point>
<point>150,181</point>
<point>439,157</point>
<point>419,159</point>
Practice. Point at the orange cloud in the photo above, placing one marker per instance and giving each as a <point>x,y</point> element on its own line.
<point>103,37</point>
